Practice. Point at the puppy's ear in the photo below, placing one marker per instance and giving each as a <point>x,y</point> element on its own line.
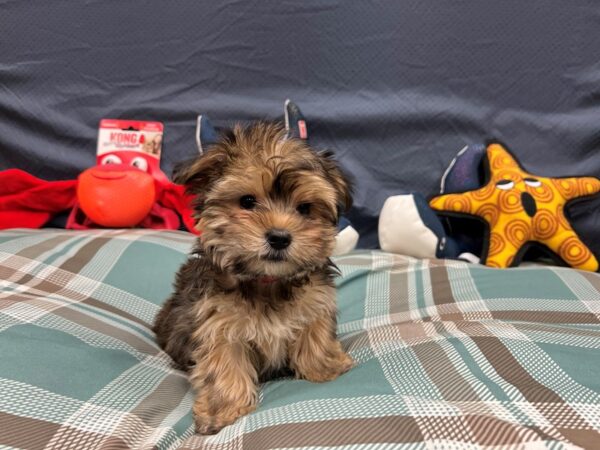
<point>339,180</point>
<point>199,174</point>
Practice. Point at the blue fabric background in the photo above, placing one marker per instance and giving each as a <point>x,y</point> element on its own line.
<point>395,88</point>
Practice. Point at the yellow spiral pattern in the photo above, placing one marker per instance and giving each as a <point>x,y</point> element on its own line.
<point>497,244</point>
<point>542,194</point>
<point>509,224</point>
<point>562,219</point>
<point>493,263</point>
<point>510,202</point>
<point>545,225</point>
<point>517,232</point>
<point>484,193</point>
<point>574,252</point>
<point>588,186</point>
<point>508,174</point>
<point>566,186</point>
<point>500,159</point>
<point>490,213</point>
<point>457,203</point>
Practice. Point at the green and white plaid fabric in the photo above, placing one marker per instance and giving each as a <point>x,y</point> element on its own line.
<point>448,355</point>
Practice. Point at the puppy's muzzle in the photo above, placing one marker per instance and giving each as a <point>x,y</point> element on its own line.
<point>279,239</point>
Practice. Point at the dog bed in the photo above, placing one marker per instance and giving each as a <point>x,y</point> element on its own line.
<point>447,353</point>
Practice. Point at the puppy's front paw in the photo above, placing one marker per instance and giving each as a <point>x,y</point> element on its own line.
<point>210,419</point>
<point>327,369</point>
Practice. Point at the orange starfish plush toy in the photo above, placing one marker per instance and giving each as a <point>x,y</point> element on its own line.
<point>521,209</point>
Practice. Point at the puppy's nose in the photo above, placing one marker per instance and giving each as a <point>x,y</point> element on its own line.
<point>279,239</point>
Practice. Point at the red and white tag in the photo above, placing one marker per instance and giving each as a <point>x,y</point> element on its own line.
<point>131,142</point>
<point>130,135</point>
<point>302,129</point>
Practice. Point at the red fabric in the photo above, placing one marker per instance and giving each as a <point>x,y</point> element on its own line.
<point>266,279</point>
<point>173,196</point>
<point>28,202</point>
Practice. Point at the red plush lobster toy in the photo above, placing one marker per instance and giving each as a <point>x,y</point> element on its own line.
<point>124,189</point>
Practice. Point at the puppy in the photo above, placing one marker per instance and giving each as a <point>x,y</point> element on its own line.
<point>256,294</point>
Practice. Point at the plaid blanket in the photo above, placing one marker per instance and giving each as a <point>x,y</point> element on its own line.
<point>448,354</point>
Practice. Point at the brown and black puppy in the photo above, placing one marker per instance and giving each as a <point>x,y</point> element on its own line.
<point>257,294</point>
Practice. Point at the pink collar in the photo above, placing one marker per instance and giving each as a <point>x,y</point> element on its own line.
<point>267,279</point>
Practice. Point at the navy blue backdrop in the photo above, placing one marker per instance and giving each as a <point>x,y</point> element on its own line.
<point>395,88</point>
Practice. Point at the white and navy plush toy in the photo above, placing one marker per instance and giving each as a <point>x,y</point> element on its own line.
<point>408,225</point>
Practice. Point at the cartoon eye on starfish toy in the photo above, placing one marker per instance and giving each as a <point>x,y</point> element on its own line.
<point>521,209</point>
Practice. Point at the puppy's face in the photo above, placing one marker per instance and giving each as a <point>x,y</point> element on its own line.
<point>266,205</point>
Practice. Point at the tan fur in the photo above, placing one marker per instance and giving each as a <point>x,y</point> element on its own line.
<point>224,323</point>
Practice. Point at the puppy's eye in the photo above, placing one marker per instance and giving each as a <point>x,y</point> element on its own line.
<point>304,209</point>
<point>248,201</point>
